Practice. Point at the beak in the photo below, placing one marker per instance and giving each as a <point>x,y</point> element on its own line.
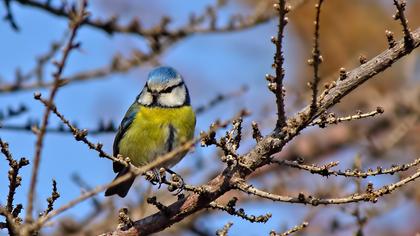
<point>155,94</point>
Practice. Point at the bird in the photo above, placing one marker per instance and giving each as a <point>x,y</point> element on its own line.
<point>160,119</point>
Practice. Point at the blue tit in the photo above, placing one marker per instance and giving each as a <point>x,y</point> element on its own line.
<point>160,119</point>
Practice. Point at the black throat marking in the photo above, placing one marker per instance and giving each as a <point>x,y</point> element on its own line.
<point>171,138</point>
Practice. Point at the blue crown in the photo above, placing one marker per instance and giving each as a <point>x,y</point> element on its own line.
<point>162,75</point>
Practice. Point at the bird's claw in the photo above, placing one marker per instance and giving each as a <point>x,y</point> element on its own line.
<point>155,176</point>
<point>179,181</point>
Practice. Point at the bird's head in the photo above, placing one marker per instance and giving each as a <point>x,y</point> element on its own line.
<point>164,88</point>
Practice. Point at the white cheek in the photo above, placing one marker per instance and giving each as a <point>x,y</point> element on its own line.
<point>175,98</point>
<point>145,98</point>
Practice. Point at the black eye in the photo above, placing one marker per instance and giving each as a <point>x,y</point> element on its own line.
<point>169,89</point>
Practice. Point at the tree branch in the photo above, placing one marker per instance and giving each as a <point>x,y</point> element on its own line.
<point>370,195</point>
<point>325,169</point>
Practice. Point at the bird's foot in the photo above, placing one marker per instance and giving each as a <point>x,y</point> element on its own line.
<point>155,176</point>
<point>177,183</point>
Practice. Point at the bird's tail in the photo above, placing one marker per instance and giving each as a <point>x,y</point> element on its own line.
<point>122,188</point>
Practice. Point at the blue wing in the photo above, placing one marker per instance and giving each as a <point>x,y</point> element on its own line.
<point>125,124</point>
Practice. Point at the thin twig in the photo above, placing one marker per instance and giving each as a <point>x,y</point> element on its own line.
<point>408,38</point>
<point>326,171</point>
<point>332,119</point>
<point>291,231</point>
<point>14,183</point>
<point>76,22</point>
<point>316,58</point>
<point>224,231</point>
<point>370,195</point>
<point>230,208</point>
<point>9,16</point>
<point>278,63</point>
<point>54,196</point>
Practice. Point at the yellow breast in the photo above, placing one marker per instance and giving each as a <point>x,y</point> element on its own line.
<point>148,135</point>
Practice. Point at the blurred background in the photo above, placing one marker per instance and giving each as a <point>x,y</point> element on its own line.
<point>233,64</point>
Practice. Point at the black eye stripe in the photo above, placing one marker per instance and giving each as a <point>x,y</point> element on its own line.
<point>167,90</point>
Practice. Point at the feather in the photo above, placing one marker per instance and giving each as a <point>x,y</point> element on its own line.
<point>122,188</point>
<point>125,124</point>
